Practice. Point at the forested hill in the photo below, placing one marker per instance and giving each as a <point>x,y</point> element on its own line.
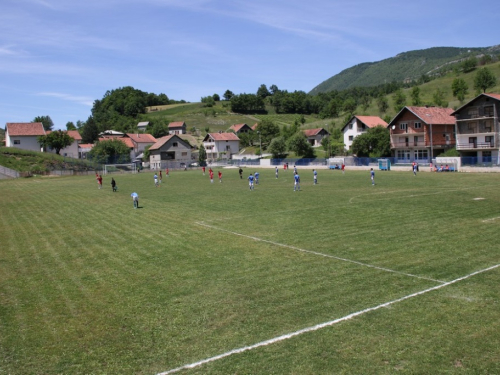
<point>406,66</point>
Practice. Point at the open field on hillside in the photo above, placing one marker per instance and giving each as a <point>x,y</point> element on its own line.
<point>342,277</point>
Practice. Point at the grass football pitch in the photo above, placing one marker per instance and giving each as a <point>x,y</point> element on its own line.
<point>340,278</point>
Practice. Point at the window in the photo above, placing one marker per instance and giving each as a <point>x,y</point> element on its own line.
<point>350,126</point>
<point>415,141</point>
<point>473,113</point>
<point>418,125</point>
<point>489,139</point>
<point>184,153</point>
<point>403,126</point>
<point>228,148</point>
<point>175,144</point>
<point>488,111</point>
<point>17,142</point>
<point>351,138</point>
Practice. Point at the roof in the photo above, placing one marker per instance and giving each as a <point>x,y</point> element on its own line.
<point>222,137</point>
<point>313,132</point>
<point>85,145</point>
<point>161,142</point>
<point>143,123</point>
<point>430,115</point>
<point>141,138</point>
<point>254,126</point>
<point>371,121</point>
<point>19,129</point>
<point>128,142</point>
<point>494,96</point>
<point>238,127</point>
<point>176,124</point>
<point>72,133</point>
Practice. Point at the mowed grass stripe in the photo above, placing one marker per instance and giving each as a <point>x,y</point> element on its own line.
<point>163,292</point>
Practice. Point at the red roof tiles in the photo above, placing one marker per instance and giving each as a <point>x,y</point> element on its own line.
<point>371,121</point>
<point>176,124</point>
<point>19,129</point>
<point>434,115</point>
<point>141,138</point>
<point>223,136</point>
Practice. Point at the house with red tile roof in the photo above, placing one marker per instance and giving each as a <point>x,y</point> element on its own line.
<point>358,125</point>
<point>421,133</point>
<point>140,142</point>
<point>241,128</point>
<point>221,145</point>
<point>24,135</point>
<point>168,150</point>
<point>72,150</point>
<point>314,136</point>
<point>478,128</point>
<point>178,127</point>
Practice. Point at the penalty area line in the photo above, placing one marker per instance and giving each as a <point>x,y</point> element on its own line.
<point>321,325</point>
<point>319,254</point>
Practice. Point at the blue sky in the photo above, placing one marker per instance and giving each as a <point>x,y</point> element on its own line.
<point>58,56</point>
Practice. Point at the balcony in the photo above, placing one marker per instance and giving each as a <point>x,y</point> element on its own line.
<point>475,145</point>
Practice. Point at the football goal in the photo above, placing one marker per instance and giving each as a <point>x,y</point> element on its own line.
<point>120,168</point>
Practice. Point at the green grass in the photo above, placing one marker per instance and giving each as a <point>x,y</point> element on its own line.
<point>89,285</point>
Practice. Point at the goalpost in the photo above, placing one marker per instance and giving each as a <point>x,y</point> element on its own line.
<point>120,168</point>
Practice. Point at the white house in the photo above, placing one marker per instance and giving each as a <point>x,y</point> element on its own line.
<point>221,145</point>
<point>358,125</point>
<point>178,127</point>
<point>24,135</point>
<point>72,150</point>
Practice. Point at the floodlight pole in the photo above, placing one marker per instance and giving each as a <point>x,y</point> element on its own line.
<point>260,143</point>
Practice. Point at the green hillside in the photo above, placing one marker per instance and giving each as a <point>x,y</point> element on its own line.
<point>406,66</point>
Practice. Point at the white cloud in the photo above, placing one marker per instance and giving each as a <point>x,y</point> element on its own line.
<point>77,99</point>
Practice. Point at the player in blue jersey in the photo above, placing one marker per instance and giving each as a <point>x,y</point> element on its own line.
<point>296,182</point>
<point>372,176</point>
<point>276,172</point>
<point>256,175</point>
<point>315,176</point>
<point>250,181</point>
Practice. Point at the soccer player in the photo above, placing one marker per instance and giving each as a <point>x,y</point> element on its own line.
<point>156,179</point>
<point>250,181</point>
<point>203,169</point>
<point>99,181</point>
<point>315,176</point>
<point>414,169</point>
<point>256,178</point>
<point>113,184</point>
<point>220,177</point>
<point>211,173</point>
<point>372,176</point>
<point>276,172</point>
<point>160,177</point>
<point>343,168</point>
<point>241,173</point>
<point>296,183</point>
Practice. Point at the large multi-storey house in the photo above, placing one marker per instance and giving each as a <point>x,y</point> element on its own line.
<point>478,129</point>
<point>358,125</point>
<point>221,145</point>
<point>421,133</point>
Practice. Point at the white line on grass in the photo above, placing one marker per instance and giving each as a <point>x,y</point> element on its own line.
<point>320,254</point>
<point>492,219</point>
<point>322,325</point>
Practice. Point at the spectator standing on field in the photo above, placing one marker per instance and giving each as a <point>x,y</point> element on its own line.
<point>135,199</point>
<point>296,182</point>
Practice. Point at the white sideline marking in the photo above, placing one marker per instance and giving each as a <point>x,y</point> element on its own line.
<point>320,254</point>
<point>493,218</point>
<point>322,325</point>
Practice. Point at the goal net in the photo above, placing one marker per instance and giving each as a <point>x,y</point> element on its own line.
<point>120,168</point>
